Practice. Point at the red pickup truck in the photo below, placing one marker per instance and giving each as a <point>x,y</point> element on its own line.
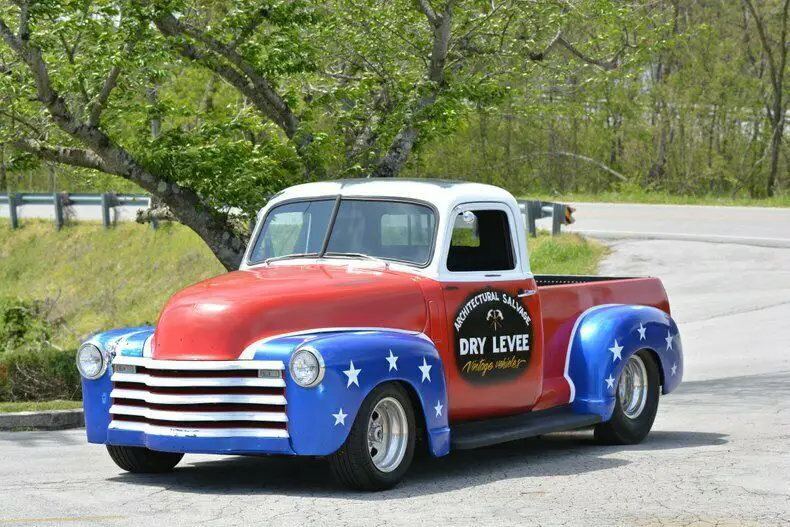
<point>373,316</point>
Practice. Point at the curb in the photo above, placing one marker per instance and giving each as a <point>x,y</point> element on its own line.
<point>54,420</point>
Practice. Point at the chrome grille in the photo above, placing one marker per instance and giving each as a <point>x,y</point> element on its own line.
<point>199,398</point>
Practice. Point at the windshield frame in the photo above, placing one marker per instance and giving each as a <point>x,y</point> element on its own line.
<point>339,198</point>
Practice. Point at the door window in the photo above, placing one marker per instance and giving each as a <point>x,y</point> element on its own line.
<point>481,242</point>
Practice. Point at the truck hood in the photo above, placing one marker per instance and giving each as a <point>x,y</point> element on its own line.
<point>218,318</point>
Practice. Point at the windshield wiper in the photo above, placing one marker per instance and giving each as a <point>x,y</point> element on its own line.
<point>267,261</point>
<point>359,255</point>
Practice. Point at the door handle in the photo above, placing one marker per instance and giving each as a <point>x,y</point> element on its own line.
<point>526,292</point>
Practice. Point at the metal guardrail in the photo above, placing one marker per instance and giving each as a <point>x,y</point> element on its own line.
<point>533,210</point>
<point>61,201</point>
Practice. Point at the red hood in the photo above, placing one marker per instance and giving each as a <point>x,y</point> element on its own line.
<point>219,317</point>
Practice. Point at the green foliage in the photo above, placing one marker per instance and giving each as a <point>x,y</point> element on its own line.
<point>23,324</point>
<point>39,375</point>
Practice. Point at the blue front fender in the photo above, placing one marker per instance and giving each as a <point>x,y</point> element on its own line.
<point>96,393</point>
<point>320,418</point>
<point>603,339</point>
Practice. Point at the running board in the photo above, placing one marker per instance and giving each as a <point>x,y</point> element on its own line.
<point>476,434</point>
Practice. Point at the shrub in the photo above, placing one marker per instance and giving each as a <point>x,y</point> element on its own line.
<point>38,374</point>
<point>22,324</point>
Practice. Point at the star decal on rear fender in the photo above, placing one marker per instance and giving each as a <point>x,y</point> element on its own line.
<point>393,361</point>
<point>642,329</point>
<point>617,352</point>
<point>674,368</point>
<point>426,370</point>
<point>610,382</point>
<point>340,418</point>
<point>669,340</point>
<point>438,408</point>
<point>352,374</point>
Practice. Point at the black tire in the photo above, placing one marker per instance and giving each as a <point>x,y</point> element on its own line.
<point>623,430</point>
<point>143,461</point>
<point>352,464</point>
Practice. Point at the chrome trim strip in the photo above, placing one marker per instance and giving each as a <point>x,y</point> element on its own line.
<point>197,382</point>
<point>165,415</point>
<point>202,365</point>
<point>158,398</point>
<point>250,351</point>
<point>578,321</point>
<point>192,432</point>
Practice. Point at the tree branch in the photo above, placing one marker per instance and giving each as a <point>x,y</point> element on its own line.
<point>763,35</point>
<point>76,157</point>
<point>99,102</point>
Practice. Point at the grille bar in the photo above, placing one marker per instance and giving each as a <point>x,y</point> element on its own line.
<point>165,415</point>
<point>196,398</point>
<point>185,431</point>
<point>154,364</point>
<point>189,382</point>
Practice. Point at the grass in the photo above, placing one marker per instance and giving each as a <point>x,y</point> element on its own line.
<point>641,196</point>
<point>566,254</point>
<point>39,406</point>
<point>93,278</point>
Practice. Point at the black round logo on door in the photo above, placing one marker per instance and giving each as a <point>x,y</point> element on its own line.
<point>493,337</point>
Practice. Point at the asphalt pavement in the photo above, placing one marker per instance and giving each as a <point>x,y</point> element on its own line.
<point>719,453</point>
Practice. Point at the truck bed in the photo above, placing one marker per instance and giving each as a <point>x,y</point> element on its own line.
<point>564,299</point>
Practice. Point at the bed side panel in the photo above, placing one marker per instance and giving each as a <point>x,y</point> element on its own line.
<point>563,304</point>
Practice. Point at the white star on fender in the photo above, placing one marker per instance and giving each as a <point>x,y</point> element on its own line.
<point>617,352</point>
<point>352,374</point>
<point>669,340</point>
<point>674,368</point>
<point>426,370</point>
<point>641,329</point>
<point>438,408</point>
<point>340,418</point>
<point>610,382</point>
<point>393,362</point>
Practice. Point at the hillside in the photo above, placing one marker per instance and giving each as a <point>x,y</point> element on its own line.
<point>92,278</point>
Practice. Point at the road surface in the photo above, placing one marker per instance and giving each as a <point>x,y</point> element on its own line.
<point>719,453</point>
<point>760,226</point>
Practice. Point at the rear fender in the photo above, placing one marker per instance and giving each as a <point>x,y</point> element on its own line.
<point>602,341</point>
<point>320,418</point>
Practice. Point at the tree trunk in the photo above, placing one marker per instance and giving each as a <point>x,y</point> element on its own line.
<point>3,176</point>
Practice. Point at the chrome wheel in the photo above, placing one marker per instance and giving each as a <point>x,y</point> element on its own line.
<point>632,389</point>
<point>388,434</point>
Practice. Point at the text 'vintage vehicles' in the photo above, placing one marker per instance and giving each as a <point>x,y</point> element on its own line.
<point>372,315</point>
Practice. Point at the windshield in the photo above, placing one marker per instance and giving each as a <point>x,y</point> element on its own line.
<point>391,230</point>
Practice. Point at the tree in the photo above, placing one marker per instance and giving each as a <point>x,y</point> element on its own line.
<point>774,53</point>
<point>308,90</point>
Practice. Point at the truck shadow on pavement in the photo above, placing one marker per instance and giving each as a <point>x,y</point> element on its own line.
<point>551,455</point>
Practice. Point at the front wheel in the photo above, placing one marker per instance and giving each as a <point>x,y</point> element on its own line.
<point>142,460</point>
<point>636,403</point>
<point>380,446</point>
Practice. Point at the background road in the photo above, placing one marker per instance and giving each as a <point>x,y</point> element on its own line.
<point>719,453</point>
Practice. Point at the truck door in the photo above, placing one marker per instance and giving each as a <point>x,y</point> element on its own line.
<point>493,314</point>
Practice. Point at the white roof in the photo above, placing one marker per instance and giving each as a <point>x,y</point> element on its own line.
<point>443,194</point>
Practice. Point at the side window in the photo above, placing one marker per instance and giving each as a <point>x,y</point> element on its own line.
<point>481,242</point>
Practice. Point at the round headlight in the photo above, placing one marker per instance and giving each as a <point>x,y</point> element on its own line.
<point>307,367</point>
<point>90,361</point>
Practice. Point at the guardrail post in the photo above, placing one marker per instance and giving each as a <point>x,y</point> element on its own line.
<point>12,202</point>
<point>557,215</point>
<point>105,209</point>
<point>58,211</point>
<point>533,213</point>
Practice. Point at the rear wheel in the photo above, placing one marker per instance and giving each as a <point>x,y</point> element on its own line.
<point>636,402</point>
<point>142,460</point>
<point>380,446</point>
